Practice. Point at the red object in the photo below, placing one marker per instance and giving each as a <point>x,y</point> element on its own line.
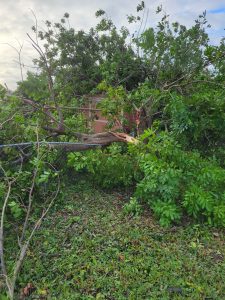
<point>99,123</point>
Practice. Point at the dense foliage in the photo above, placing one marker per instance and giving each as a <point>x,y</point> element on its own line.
<point>165,86</point>
<point>170,78</point>
<point>173,182</point>
<point>178,182</point>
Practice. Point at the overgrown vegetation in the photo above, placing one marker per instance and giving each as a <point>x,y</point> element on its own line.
<point>88,248</point>
<point>173,182</point>
<point>164,89</point>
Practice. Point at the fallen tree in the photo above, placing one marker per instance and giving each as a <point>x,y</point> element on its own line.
<point>101,139</point>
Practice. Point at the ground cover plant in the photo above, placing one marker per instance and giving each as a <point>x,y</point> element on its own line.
<point>91,248</point>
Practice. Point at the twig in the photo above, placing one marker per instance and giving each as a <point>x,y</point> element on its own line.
<point>8,120</point>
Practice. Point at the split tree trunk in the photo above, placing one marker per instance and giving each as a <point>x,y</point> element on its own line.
<point>88,140</point>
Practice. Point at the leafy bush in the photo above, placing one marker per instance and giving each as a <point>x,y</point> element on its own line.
<point>176,182</point>
<point>197,120</point>
<point>173,182</point>
<point>109,168</point>
<point>167,212</point>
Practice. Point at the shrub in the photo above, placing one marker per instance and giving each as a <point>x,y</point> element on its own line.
<point>177,182</point>
<point>173,182</point>
<point>109,168</point>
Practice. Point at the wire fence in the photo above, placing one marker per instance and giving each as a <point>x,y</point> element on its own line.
<point>15,154</point>
<point>21,145</point>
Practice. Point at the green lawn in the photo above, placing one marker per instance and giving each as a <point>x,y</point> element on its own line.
<point>88,249</point>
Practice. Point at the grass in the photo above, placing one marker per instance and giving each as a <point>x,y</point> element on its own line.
<point>88,249</point>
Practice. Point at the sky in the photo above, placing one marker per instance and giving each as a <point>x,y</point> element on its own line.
<point>17,19</point>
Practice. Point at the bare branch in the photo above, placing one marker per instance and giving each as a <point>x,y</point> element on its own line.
<point>30,197</point>
<point>8,120</point>
<point>23,241</point>
<point>18,51</point>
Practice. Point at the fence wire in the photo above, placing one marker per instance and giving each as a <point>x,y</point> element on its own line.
<point>46,143</point>
<point>14,154</point>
